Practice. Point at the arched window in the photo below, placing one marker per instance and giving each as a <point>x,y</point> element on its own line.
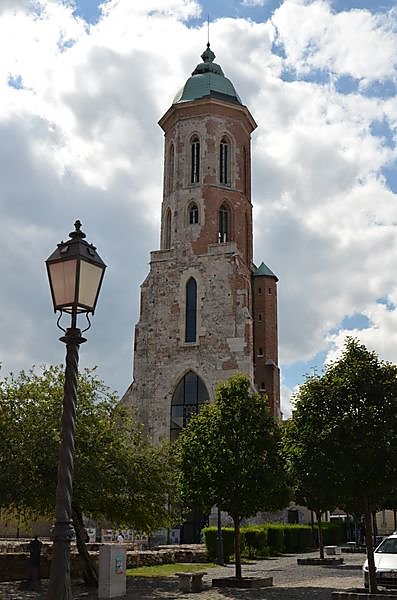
<point>193,214</point>
<point>195,160</point>
<point>247,239</point>
<point>245,171</point>
<point>189,395</point>
<point>191,311</point>
<point>171,164</point>
<point>224,224</point>
<point>167,233</point>
<point>224,162</point>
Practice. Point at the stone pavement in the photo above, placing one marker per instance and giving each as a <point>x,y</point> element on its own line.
<point>290,582</point>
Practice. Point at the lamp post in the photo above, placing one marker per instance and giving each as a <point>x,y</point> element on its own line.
<point>75,273</point>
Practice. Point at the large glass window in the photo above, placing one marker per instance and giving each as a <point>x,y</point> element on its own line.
<point>191,311</point>
<point>189,395</point>
<point>195,160</point>
<point>224,224</point>
<point>224,162</point>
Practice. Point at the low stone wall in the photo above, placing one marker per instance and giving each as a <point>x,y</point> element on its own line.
<point>14,566</point>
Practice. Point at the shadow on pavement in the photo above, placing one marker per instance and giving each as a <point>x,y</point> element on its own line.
<point>278,593</point>
<point>156,589</point>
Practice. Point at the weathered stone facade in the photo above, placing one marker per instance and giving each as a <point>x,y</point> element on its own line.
<point>203,311</point>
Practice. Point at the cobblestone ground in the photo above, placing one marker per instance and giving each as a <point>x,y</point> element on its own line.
<point>290,582</point>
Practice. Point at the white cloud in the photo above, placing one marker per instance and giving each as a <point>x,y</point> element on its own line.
<point>356,43</point>
<point>80,139</point>
<point>253,2</point>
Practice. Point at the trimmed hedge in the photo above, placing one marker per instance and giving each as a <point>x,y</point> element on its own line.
<point>256,542</point>
<point>334,534</point>
<point>210,534</point>
<point>261,541</point>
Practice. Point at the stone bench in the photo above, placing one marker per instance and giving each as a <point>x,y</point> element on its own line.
<point>191,582</point>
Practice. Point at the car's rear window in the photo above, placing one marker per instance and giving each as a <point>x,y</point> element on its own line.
<point>388,546</point>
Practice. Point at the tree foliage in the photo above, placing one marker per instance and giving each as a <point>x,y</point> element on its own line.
<point>352,412</point>
<point>310,464</point>
<point>229,456</point>
<point>118,476</point>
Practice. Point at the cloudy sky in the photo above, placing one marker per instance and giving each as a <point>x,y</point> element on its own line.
<point>83,84</point>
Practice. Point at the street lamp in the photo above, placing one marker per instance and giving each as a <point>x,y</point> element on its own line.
<point>75,272</point>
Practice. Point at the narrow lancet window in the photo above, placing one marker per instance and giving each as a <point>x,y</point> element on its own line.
<point>195,160</point>
<point>224,224</point>
<point>245,171</point>
<point>171,165</point>
<point>191,311</point>
<point>167,232</point>
<point>224,157</point>
<point>193,214</point>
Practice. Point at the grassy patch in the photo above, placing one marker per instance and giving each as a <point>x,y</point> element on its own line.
<point>168,570</point>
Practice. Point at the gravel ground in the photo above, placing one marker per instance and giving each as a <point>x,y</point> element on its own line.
<point>290,582</point>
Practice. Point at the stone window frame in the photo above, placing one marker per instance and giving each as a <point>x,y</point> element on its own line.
<point>193,213</point>
<point>170,168</point>
<point>191,310</point>
<point>225,218</point>
<point>188,273</point>
<point>225,160</point>
<point>194,159</point>
<point>168,229</point>
<point>184,410</point>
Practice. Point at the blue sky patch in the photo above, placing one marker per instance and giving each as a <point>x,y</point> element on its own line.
<point>390,174</point>
<point>15,81</point>
<point>389,305</point>
<point>356,321</point>
<point>89,10</point>
<point>345,84</point>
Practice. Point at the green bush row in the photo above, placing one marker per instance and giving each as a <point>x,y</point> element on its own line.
<point>270,539</point>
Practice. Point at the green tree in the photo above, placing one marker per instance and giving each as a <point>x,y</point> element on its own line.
<point>355,401</point>
<point>311,466</point>
<point>118,475</point>
<point>229,457</point>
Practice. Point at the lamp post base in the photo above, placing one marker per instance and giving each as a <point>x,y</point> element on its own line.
<point>60,585</point>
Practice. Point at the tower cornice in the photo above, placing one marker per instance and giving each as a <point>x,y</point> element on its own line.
<point>186,110</point>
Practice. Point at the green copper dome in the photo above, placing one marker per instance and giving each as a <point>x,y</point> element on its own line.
<point>207,80</point>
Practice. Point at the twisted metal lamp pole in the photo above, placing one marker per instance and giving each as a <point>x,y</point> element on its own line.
<point>60,586</point>
<point>75,273</point>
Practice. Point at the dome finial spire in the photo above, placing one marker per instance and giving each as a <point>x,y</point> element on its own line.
<point>208,56</point>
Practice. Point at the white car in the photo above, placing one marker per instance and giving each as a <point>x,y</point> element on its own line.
<point>385,556</point>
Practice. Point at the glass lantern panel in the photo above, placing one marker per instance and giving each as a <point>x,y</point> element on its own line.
<point>63,280</point>
<point>90,277</point>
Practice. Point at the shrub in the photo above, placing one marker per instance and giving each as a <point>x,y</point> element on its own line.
<point>297,538</point>
<point>333,533</point>
<point>261,541</point>
<point>255,540</point>
<point>275,538</point>
<point>210,535</point>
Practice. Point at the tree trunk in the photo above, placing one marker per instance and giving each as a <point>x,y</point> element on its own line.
<point>320,534</point>
<point>374,528</point>
<point>237,550</point>
<point>89,571</point>
<point>370,550</point>
<point>395,518</point>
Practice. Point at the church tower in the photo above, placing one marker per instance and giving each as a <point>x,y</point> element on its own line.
<point>206,311</point>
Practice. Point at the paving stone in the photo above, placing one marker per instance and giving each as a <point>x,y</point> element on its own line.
<point>290,582</point>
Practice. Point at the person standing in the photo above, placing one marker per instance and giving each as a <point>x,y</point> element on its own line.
<point>35,546</point>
